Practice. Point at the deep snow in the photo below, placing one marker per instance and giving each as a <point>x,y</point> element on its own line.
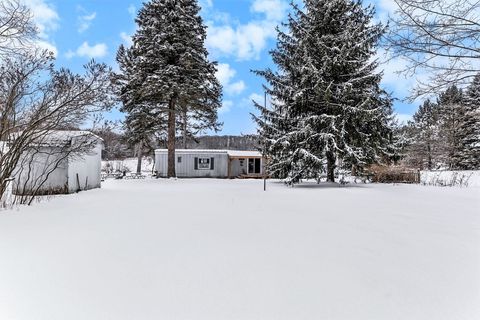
<point>224,249</point>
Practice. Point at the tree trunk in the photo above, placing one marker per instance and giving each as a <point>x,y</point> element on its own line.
<point>354,170</point>
<point>139,157</point>
<point>429,161</point>
<point>171,140</point>
<point>331,167</point>
<point>185,123</point>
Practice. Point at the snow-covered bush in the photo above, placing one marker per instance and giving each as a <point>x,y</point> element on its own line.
<point>450,178</point>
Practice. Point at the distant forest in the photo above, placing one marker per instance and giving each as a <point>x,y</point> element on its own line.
<point>247,142</point>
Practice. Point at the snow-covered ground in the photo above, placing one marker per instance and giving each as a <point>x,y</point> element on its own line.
<point>449,178</point>
<point>224,249</point>
<point>129,164</point>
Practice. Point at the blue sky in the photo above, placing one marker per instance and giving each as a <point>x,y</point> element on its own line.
<point>240,34</point>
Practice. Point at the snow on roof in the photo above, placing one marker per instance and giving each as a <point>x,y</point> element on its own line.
<point>239,154</point>
<point>57,137</point>
<point>230,153</point>
<point>66,135</point>
<point>192,151</point>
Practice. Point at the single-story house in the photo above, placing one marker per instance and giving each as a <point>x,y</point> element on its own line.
<point>62,162</point>
<point>211,163</point>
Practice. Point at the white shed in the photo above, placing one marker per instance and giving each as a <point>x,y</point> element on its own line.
<point>64,162</point>
<point>211,163</point>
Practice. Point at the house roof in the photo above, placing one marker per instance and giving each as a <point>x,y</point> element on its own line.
<point>246,154</point>
<point>230,153</point>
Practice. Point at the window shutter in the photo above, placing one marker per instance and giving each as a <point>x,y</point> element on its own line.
<point>212,163</point>
<point>196,163</point>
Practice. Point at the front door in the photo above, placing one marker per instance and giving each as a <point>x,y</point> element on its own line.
<point>254,166</point>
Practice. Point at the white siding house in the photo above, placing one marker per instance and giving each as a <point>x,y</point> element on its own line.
<point>211,163</point>
<point>52,168</point>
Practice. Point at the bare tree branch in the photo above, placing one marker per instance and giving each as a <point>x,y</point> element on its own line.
<point>17,29</point>
<point>437,37</point>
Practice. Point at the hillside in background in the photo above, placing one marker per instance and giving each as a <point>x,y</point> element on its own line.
<point>247,142</point>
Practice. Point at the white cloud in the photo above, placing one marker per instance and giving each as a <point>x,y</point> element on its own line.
<point>248,101</point>
<point>45,16</point>
<point>85,21</point>
<point>246,41</point>
<point>226,106</point>
<point>274,10</point>
<point>393,77</point>
<point>225,74</point>
<point>236,88</point>
<point>132,10</point>
<point>258,98</point>
<point>127,39</point>
<point>206,3</point>
<point>85,50</point>
<point>46,20</point>
<point>47,46</point>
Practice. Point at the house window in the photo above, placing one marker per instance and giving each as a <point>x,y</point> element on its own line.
<point>203,163</point>
<point>179,159</point>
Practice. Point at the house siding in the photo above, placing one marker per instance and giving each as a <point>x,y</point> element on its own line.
<point>186,168</point>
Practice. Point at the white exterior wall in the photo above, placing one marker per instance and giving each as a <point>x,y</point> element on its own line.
<point>88,168</point>
<point>237,168</point>
<point>186,168</point>
<point>35,166</point>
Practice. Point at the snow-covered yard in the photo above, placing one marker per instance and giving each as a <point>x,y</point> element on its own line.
<point>221,249</point>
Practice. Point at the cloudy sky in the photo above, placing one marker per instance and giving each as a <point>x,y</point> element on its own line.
<point>240,34</point>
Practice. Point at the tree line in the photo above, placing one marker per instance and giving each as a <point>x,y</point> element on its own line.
<point>445,133</point>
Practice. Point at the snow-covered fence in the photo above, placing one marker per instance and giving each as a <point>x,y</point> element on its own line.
<point>450,178</point>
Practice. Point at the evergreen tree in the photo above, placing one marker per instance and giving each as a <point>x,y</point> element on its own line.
<point>141,123</point>
<point>171,65</point>
<point>327,101</point>
<point>451,112</point>
<point>425,147</point>
<point>469,133</point>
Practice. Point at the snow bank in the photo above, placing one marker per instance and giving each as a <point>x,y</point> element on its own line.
<point>224,249</point>
<point>451,178</point>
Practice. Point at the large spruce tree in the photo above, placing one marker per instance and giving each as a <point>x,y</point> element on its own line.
<point>468,157</point>
<point>425,148</point>
<point>451,111</point>
<point>327,104</point>
<point>172,67</point>
<point>141,122</point>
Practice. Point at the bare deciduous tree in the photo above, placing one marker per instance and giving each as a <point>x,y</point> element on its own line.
<point>36,100</point>
<point>16,27</point>
<point>437,37</point>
